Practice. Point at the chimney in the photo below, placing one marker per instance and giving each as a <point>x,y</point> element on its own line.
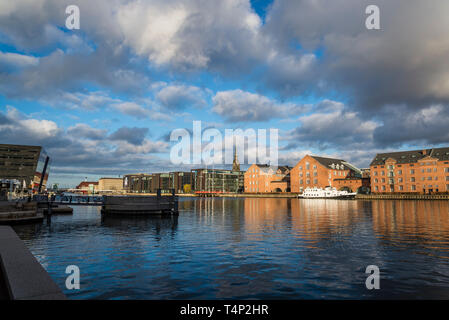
<point>424,152</point>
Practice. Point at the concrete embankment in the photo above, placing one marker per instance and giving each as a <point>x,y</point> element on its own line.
<point>402,196</point>
<point>21,276</point>
<point>258,195</point>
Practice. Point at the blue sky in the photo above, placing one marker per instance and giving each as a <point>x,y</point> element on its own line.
<point>103,99</point>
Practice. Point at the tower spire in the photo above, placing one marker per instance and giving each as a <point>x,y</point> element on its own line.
<point>235,163</point>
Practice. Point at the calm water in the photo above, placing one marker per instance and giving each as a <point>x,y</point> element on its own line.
<point>252,248</point>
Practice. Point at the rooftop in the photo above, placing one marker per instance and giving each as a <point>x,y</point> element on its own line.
<point>411,156</point>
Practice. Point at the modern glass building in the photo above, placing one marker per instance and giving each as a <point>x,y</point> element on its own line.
<point>182,182</point>
<point>217,180</point>
<point>25,167</point>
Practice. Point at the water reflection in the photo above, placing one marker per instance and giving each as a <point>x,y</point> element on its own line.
<point>252,248</point>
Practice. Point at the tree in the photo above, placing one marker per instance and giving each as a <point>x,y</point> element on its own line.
<point>187,188</point>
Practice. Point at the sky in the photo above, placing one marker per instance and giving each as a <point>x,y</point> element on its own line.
<point>104,99</point>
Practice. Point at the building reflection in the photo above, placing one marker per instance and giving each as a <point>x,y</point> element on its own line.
<point>420,221</point>
<point>159,226</point>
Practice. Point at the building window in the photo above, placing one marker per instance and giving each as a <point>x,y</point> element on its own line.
<point>375,173</point>
<point>412,179</point>
<point>412,171</point>
<point>383,180</point>
<point>382,173</point>
<point>300,167</point>
<point>301,181</point>
<point>446,169</point>
<point>376,180</point>
<point>429,178</point>
<point>447,187</point>
<point>401,188</point>
<point>413,187</point>
<point>383,188</point>
<point>307,166</point>
<point>315,181</point>
<point>399,180</point>
<point>314,166</point>
<point>315,174</point>
<point>307,181</point>
<point>377,188</point>
<point>447,178</point>
<point>399,171</point>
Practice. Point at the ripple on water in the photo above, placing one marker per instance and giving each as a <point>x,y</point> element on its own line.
<point>252,248</point>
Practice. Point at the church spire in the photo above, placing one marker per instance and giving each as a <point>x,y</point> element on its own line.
<point>235,163</point>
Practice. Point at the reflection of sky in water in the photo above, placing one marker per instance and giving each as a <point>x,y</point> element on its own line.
<point>252,248</point>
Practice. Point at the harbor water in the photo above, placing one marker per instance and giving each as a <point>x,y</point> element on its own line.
<point>252,248</point>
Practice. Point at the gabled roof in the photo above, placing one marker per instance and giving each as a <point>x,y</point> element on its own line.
<point>411,156</point>
<point>266,168</point>
<point>327,162</point>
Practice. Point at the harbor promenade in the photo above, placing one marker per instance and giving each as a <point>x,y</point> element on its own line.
<point>21,276</point>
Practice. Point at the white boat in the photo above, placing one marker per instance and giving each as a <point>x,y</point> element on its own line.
<point>326,193</point>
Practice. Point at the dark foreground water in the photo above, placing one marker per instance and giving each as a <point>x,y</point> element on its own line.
<point>252,248</point>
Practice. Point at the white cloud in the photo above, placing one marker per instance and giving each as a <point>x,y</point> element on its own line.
<point>238,105</point>
<point>17,60</point>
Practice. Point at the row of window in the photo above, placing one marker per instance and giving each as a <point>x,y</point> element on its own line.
<point>412,188</point>
<point>412,171</point>
<point>432,163</point>
<point>315,181</point>
<point>412,179</point>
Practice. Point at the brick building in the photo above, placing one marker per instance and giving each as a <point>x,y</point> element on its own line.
<point>418,171</point>
<point>263,178</point>
<point>321,172</point>
<point>88,187</point>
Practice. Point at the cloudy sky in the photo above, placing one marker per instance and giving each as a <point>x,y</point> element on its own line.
<point>103,99</point>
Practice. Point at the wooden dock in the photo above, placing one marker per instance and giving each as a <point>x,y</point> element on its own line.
<point>18,212</point>
<point>140,205</point>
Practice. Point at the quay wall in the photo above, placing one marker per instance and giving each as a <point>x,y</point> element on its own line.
<point>402,196</point>
<point>22,276</point>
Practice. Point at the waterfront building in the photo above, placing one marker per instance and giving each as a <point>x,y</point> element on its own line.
<point>138,183</point>
<point>263,179</point>
<point>26,167</point>
<point>182,182</point>
<point>87,187</point>
<point>110,184</point>
<point>321,172</point>
<point>161,181</point>
<point>217,180</point>
<point>418,171</point>
<point>147,183</point>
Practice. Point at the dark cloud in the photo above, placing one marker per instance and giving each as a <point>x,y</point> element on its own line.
<point>81,130</point>
<point>135,136</point>
<point>179,97</point>
<point>403,63</point>
<point>428,126</point>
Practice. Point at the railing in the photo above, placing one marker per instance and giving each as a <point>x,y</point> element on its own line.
<point>73,200</point>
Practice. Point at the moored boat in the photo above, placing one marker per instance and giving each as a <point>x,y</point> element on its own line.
<point>326,193</point>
